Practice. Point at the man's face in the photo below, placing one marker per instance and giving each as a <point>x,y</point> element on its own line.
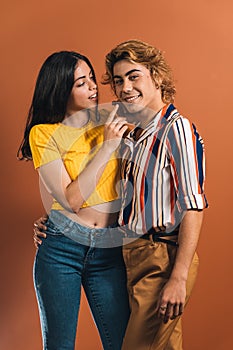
<point>134,86</point>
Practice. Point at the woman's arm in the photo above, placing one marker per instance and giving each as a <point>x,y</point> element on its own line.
<point>72,194</point>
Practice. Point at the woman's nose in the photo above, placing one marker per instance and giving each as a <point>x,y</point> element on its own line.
<point>92,85</point>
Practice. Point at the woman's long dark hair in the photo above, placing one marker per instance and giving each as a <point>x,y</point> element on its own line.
<point>53,87</point>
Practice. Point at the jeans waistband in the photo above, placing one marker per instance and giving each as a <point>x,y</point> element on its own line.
<point>106,237</point>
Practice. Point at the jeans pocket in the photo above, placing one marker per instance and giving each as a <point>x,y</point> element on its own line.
<point>52,229</point>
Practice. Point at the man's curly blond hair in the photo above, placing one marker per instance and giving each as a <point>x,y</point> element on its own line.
<point>137,51</point>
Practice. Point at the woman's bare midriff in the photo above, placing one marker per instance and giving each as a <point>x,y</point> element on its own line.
<point>98,216</point>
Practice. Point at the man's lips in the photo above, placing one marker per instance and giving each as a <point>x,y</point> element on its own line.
<point>133,98</point>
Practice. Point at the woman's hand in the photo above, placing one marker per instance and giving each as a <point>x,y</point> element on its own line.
<point>114,130</point>
<point>38,229</point>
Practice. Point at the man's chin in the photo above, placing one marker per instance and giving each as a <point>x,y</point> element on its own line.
<point>131,108</point>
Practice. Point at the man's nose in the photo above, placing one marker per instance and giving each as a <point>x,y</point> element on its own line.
<point>127,86</point>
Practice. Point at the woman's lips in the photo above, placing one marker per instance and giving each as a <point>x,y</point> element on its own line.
<point>93,97</point>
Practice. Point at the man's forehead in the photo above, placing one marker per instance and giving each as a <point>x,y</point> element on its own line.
<point>128,72</point>
<point>125,67</point>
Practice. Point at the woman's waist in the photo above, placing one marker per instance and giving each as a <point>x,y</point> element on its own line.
<point>98,216</point>
<point>60,225</point>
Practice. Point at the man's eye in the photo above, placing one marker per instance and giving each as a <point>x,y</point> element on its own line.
<point>133,77</point>
<point>117,82</point>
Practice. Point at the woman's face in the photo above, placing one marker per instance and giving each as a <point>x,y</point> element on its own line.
<point>84,93</point>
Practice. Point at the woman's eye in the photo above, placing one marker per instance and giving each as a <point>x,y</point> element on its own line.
<point>80,84</point>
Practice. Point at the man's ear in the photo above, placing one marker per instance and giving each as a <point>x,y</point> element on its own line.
<point>158,83</point>
<point>157,80</point>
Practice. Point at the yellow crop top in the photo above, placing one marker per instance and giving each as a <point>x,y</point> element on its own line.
<point>76,147</point>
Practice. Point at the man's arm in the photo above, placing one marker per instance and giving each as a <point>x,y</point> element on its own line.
<point>174,292</point>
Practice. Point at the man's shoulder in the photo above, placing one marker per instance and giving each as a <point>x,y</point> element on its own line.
<point>171,115</point>
<point>175,119</point>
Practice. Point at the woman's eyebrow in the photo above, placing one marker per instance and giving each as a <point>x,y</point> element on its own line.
<point>83,77</point>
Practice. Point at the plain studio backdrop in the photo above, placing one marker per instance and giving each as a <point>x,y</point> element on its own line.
<point>198,43</point>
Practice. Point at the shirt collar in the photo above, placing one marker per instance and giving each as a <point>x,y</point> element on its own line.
<point>160,118</point>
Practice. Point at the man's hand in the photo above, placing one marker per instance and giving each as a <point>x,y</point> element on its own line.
<point>38,228</point>
<point>171,300</point>
<point>172,297</point>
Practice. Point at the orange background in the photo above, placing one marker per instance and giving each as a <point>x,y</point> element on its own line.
<point>197,40</point>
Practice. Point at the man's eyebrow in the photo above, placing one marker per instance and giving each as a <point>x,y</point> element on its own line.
<point>128,73</point>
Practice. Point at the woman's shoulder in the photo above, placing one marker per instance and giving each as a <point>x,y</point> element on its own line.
<point>43,133</point>
<point>45,127</point>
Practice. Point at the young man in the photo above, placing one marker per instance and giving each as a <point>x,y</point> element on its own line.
<point>162,196</point>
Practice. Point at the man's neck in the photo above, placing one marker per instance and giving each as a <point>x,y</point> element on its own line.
<point>147,115</point>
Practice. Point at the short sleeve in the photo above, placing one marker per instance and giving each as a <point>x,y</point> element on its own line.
<point>43,145</point>
<point>187,159</point>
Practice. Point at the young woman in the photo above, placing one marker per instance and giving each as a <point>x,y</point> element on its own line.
<point>73,147</point>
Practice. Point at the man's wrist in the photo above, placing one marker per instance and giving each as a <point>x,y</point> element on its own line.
<point>179,276</point>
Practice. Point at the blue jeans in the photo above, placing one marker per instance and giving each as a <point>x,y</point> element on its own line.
<point>61,266</point>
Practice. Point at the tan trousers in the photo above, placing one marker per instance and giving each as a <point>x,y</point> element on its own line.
<point>149,266</point>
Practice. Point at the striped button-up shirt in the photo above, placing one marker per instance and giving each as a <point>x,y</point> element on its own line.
<point>163,174</point>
